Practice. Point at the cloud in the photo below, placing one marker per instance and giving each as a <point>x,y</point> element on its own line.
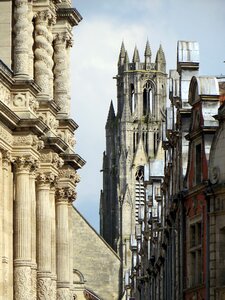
<point>94,63</point>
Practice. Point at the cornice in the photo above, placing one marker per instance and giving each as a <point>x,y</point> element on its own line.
<point>70,14</point>
<point>37,126</point>
<point>55,143</point>
<point>74,160</point>
<point>68,123</point>
<point>8,117</point>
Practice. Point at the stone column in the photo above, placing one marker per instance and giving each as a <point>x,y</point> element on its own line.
<point>61,87</point>
<point>30,30</point>
<point>33,234</point>
<point>44,221</point>
<point>21,39</point>
<point>1,231</point>
<point>63,196</point>
<point>43,52</point>
<point>7,225</point>
<point>53,240</point>
<point>22,230</point>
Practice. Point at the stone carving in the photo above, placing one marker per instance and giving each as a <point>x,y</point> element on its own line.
<point>5,95</point>
<point>61,42</point>
<point>45,178</point>
<point>6,136</point>
<point>215,175</point>
<point>49,119</point>
<point>24,100</point>
<point>53,289</point>
<point>24,163</point>
<point>63,294</point>
<point>23,140</point>
<point>52,158</point>
<point>6,158</point>
<point>30,41</point>
<point>71,174</point>
<point>21,37</point>
<point>65,194</point>
<point>33,284</point>
<point>44,289</point>
<point>22,283</point>
<point>43,50</point>
<point>67,136</point>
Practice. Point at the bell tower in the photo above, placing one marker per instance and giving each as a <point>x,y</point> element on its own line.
<point>133,136</point>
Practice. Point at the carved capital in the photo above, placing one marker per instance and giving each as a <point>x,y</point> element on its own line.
<point>70,174</point>
<point>45,178</point>
<point>6,159</point>
<point>24,163</point>
<point>65,194</point>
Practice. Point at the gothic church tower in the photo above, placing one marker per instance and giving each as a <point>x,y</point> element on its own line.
<point>133,137</point>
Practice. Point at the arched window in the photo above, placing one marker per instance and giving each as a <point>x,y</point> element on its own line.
<point>132,101</point>
<point>148,98</point>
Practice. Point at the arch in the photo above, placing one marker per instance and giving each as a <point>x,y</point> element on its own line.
<point>200,86</point>
<point>78,277</point>
<point>132,100</point>
<point>148,98</point>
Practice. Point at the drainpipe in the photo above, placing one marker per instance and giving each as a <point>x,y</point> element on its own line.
<point>208,193</point>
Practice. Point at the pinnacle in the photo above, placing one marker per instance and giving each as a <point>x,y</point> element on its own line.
<point>136,57</point>
<point>148,51</point>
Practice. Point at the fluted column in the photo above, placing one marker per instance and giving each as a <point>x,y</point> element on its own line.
<point>63,196</point>
<point>7,225</point>
<point>43,52</point>
<point>61,87</point>
<point>22,230</point>
<point>53,240</point>
<point>33,234</point>
<point>44,221</point>
<point>22,29</point>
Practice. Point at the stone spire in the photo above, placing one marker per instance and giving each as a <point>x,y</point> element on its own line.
<point>111,114</point>
<point>122,55</point>
<point>160,60</point>
<point>126,58</point>
<point>148,52</point>
<point>136,57</point>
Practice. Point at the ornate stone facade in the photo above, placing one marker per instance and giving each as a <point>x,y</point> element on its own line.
<point>38,167</point>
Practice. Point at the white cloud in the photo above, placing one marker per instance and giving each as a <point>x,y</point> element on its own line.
<point>94,62</point>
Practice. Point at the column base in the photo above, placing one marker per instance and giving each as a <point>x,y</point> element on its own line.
<point>22,282</point>
<point>44,286</point>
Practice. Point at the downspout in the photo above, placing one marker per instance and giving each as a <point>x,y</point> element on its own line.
<point>208,193</point>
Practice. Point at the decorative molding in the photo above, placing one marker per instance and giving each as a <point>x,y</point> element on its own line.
<point>65,194</point>
<point>43,50</point>
<point>6,136</point>
<point>63,294</point>
<point>61,89</point>
<point>22,283</point>
<point>44,288</point>
<point>67,136</point>
<point>71,174</point>
<point>5,94</point>
<point>24,163</point>
<point>51,158</point>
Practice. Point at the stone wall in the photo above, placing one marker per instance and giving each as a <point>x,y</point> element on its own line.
<point>95,259</point>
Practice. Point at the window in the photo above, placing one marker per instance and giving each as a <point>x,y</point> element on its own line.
<point>132,101</point>
<point>198,164</point>
<point>139,190</point>
<point>148,107</point>
<point>195,253</point>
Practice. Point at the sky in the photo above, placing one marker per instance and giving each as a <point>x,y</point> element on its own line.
<point>94,57</point>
